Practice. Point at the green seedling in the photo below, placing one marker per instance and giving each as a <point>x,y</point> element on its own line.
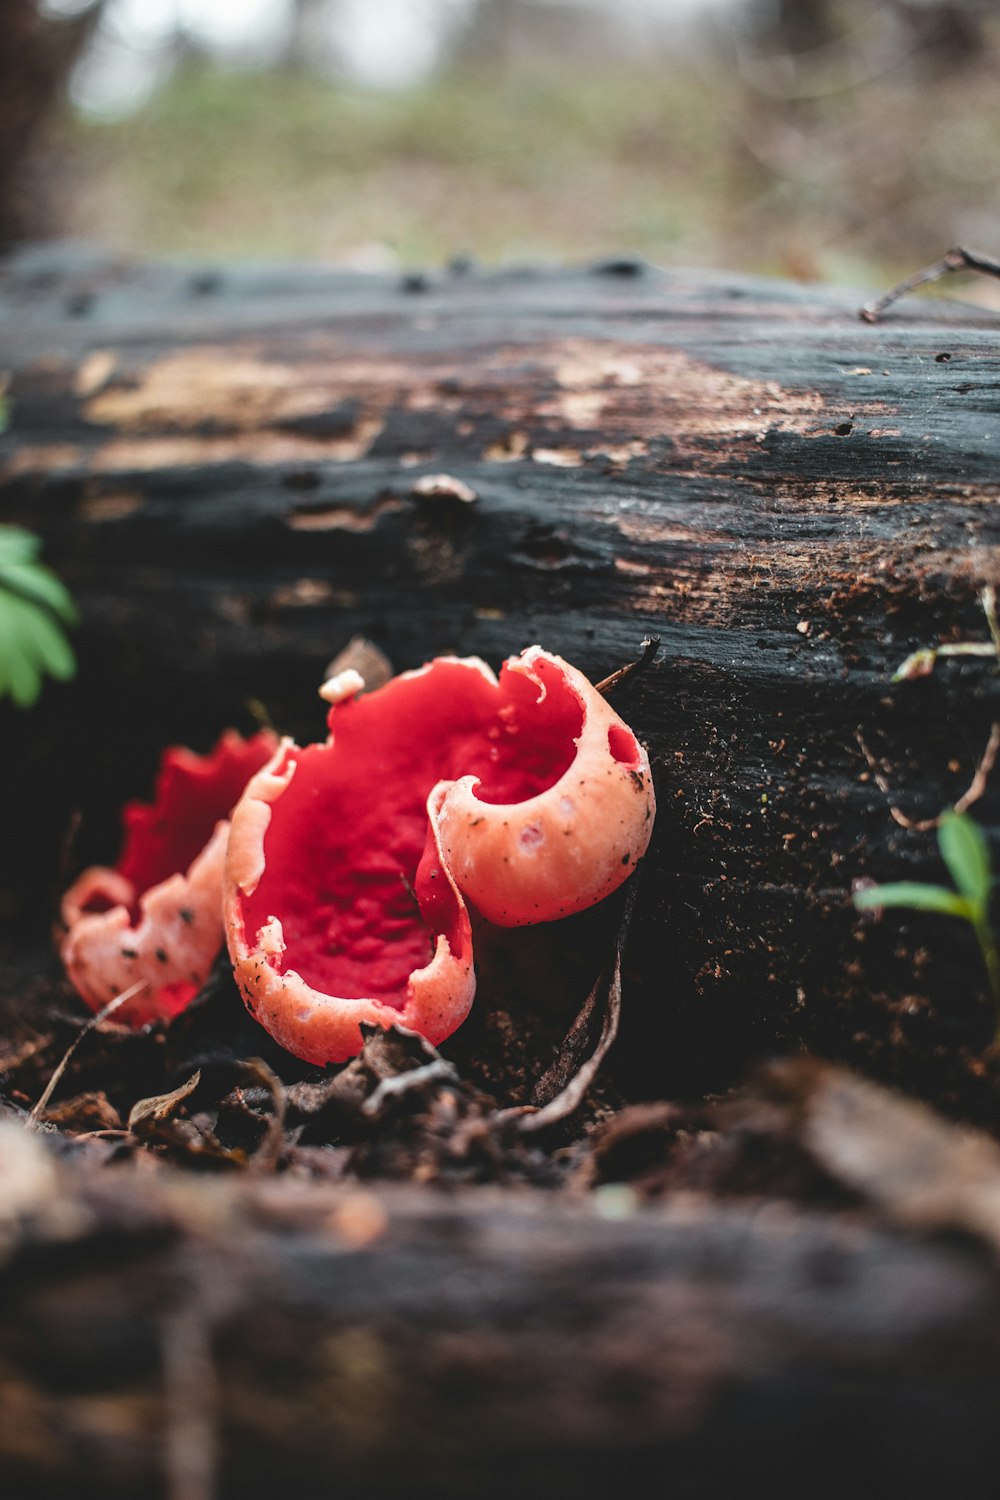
<point>967,857</point>
<point>35,608</point>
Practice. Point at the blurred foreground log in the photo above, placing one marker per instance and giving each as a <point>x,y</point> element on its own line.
<point>193,1338</point>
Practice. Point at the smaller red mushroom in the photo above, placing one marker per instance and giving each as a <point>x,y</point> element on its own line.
<point>350,862</point>
<point>155,919</point>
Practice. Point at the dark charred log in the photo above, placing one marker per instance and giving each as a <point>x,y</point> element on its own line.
<point>226,471</point>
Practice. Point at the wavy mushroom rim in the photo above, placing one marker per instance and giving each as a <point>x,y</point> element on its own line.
<point>569,845</point>
<point>169,945</point>
<point>321,1026</point>
<point>317,1026</point>
<point>142,922</point>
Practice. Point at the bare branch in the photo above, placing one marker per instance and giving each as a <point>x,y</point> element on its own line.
<point>957,259</point>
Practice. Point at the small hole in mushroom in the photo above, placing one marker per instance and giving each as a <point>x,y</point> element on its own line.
<point>623,746</point>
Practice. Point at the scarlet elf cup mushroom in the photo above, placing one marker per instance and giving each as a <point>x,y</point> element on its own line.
<point>153,923</point>
<point>345,875</point>
<point>350,862</point>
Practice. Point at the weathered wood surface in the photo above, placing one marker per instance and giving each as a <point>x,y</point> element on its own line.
<point>223,468</point>
<point>223,464</point>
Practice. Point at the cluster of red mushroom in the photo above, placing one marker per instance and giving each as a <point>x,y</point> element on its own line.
<point>343,878</point>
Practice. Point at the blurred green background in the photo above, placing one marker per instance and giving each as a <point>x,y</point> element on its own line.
<point>824,139</point>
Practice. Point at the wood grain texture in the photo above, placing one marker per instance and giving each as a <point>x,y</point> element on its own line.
<point>223,466</point>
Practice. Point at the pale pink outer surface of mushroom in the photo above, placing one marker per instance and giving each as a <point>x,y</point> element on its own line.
<point>348,861</point>
<point>155,921</point>
<point>571,844</point>
<point>169,949</point>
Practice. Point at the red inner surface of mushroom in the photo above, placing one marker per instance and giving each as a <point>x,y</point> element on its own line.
<point>100,900</point>
<point>531,744</point>
<point>193,792</point>
<point>344,867</point>
<point>623,745</point>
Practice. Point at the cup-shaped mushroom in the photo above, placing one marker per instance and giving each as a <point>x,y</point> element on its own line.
<point>558,818</point>
<point>348,861</point>
<point>153,924</point>
<point>339,908</point>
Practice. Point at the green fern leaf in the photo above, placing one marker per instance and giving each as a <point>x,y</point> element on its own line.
<point>34,608</point>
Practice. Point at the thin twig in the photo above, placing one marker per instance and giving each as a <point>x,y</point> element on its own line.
<point>569,1092</point>
<point>974,791</point>
<point>268,1153</point>
<point>977,785</point>
<point>918,665</point>
<point>957,259</point>
<point>102,1015</point>
<point>921,663</point>
<point>650,646</point>
<point>435,1071</point>
<point>988,599</point>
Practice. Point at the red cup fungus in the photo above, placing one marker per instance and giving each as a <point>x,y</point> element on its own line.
<point>155,919</point>
<point>350,862</point>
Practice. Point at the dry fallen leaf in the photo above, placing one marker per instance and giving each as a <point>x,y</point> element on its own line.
<point>148,1113</point>
<point>561,1089</point>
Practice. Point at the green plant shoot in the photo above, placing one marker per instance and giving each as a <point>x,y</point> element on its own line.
<point>967,857</point>
<point>35,609</point>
